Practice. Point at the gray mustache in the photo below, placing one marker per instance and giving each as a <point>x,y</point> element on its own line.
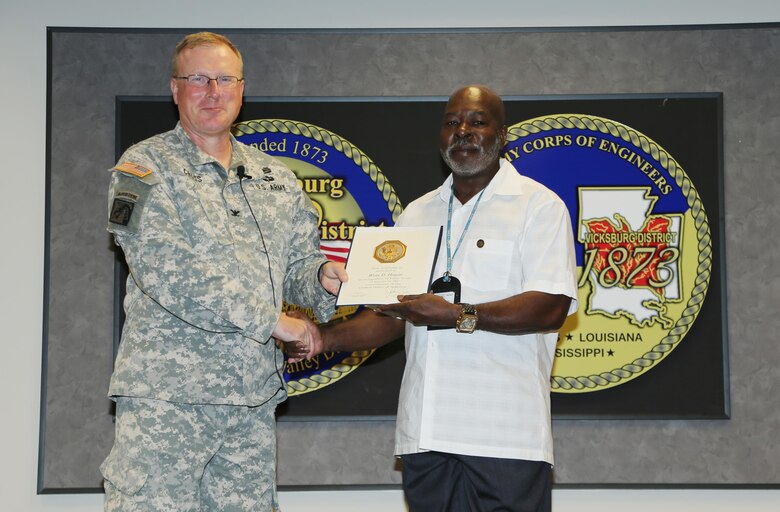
<point>462,144</point>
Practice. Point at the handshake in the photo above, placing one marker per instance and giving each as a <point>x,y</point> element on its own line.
<point>301,338</point>
<point>299,335</point>
<point>375,326</point>
<point>371,328</point>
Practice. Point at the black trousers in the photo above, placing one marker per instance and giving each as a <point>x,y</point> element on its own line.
<point>445,482</point>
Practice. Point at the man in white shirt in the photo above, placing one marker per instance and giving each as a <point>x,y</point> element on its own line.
<point>473,425</point>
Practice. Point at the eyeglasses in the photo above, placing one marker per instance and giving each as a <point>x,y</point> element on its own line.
<point>202,81</point>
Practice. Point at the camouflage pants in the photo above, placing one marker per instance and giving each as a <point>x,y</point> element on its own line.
<point>180,457</point>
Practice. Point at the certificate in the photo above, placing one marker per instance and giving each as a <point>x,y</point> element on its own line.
<point>385,262</point>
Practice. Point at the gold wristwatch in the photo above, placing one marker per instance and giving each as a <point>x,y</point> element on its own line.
<point>467,319</point>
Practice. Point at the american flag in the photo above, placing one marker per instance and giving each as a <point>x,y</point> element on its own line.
<point>336,250</point>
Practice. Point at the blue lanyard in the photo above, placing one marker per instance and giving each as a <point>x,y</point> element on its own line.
<point>450,257</point>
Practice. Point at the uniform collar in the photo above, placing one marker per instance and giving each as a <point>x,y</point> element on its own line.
<point>199,157</point>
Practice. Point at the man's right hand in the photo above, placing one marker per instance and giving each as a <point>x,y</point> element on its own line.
<point>308,345</point>
<point>300,336</point>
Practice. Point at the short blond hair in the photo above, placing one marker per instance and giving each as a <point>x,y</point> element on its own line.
<point>203,39</point>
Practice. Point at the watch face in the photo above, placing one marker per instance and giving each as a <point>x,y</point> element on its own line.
<point>467,323</point>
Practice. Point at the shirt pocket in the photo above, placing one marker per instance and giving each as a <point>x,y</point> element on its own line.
<point>214,223</point>
<point>487,263</point>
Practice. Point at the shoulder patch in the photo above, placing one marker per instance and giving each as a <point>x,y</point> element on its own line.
<point>134,169</point>
<point>121,211</point>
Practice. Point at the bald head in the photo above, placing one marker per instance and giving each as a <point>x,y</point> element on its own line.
<point>481,95</point>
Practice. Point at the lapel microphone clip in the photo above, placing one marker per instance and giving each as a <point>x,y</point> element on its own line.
<point>241,171</point>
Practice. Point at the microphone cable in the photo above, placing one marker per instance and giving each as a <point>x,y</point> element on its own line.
<point>241,171</point>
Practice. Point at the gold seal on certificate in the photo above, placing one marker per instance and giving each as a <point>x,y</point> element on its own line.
<point>389,251</point>
<point>385,262</point>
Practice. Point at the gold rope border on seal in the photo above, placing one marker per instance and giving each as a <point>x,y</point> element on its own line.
<point>355,359</point>
<point>331,139</point>
<point>336,372</point>
<point>703,270</point>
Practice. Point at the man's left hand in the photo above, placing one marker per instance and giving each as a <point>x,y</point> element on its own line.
<point>422,309</point>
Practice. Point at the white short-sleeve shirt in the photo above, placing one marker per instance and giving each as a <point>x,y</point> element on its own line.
<point>488,394</point>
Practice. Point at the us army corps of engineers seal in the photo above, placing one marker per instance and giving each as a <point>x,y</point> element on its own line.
<point>348,190</point>
<point>642,238</point>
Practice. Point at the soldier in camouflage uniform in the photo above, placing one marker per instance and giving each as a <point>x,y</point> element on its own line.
<point>216,234</point>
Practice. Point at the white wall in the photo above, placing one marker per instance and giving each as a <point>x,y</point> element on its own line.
<point>22,135</point>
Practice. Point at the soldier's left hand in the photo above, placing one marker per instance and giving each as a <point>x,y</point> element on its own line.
<point>332,274</point>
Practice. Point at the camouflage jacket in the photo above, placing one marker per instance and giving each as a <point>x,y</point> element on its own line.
<point>200,295</point>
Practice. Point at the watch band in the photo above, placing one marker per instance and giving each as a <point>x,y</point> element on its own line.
<point>467,319</point>
<point>468,308</point>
